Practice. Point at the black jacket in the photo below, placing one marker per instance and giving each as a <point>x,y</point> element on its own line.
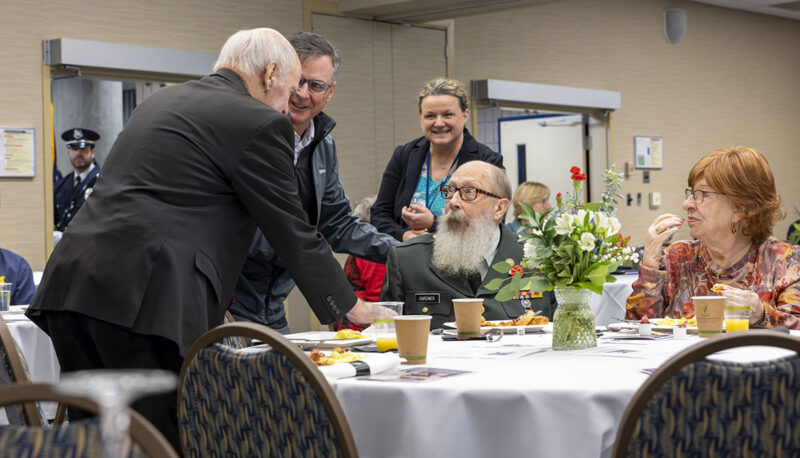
<point>401,176</point>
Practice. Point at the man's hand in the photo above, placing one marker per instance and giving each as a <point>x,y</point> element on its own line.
<point>411,234</point>
<point>417,217</point>
<point>361,313</point>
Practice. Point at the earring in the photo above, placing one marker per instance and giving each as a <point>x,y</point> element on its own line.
<point>733,228</point>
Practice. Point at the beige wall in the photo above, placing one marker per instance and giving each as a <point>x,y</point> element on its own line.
<point>197,25</point>
<point>734,79</point>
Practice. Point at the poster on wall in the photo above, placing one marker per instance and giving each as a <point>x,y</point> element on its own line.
<point>17,152</point>
<point>648,152</point>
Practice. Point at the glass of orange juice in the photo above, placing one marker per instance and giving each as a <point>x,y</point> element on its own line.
<point>737,318</point>
<point>383,314</point>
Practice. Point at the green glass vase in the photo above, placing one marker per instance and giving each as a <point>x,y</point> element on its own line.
<point>573,320</point>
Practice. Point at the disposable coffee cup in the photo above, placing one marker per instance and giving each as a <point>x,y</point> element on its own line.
<point>5,296</point>
<point>383,314</point>
<point>468,317</point>
<point>710,312</point>
<point>412,337</point>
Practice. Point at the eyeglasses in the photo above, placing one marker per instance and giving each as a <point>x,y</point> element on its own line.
<point>698,194</point>
<point>317,87</point>
<point>467,193</point>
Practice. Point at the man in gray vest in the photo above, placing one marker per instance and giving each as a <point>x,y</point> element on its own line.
<point>264,282</point>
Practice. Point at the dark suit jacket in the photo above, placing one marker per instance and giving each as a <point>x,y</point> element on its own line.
<point>412,278</point>
<point>158,247</point>
<point>401,176</point>
<point>68,199</point>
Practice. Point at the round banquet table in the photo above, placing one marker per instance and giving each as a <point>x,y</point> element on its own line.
<point>546,403</point>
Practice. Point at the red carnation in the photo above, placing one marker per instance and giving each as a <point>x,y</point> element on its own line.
<point>579,177</point>
<point>558,196</point>
<point>575,170</point>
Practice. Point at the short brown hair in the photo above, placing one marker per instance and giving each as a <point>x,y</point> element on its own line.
<point>529,193</point>
<point>744,176</point>
<point>444,86</point>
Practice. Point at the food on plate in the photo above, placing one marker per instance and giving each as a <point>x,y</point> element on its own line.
<point>644,320</point>
<point>717,287</point>
<point>686,320</point>
<point>348,334</point>
<point>337,356</point>
<point>526,319</point>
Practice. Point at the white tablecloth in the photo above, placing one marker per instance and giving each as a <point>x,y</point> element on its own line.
<point>610,307</point>
<point>549,404</point>
<point>35,345</point>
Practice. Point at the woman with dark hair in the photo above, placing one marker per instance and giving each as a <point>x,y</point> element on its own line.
<point>409,200</point>
<point>731,205</point>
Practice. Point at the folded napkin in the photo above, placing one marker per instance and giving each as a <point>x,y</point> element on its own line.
<point>371,364</point>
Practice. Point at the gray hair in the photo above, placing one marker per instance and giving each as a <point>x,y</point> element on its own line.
<point>362,208</point>
<point>498,178</point>
<point>251,51</point>
<point>308,45</point>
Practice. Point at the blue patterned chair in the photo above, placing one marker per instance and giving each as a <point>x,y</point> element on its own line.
<point>75,439</point>
<point>257,403</point>
<point>233,341</point>
<point>692,406</point>
<point>14,369</point>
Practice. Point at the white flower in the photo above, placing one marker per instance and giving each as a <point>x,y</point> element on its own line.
<point>613,226</point>
<point>602,221</point>
<point>530,250</point>
<point>564,224</point>
<point>579,218</point>
<point>587,241</point>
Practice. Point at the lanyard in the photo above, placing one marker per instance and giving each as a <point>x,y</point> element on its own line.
<point>428,178</point>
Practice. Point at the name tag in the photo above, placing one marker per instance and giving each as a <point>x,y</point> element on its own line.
<point>427,298</point>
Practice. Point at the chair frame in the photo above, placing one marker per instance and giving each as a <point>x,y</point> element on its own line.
<point>18,370</point>
<point>142,431</point>
<point>694,354</point>
<point>280,344</point>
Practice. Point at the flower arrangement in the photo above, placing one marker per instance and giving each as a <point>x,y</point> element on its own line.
<point>575,245</point>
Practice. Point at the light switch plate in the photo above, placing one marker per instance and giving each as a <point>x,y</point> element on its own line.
<point>655,199</point>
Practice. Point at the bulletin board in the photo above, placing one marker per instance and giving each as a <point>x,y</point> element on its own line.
<point>17,152</point>
<point>648,152</point>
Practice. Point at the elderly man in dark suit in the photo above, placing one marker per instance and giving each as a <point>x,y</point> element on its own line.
<point>151,260</point>
<point>429,271</point>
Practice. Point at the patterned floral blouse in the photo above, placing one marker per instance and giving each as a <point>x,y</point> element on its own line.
<point>771,269</point>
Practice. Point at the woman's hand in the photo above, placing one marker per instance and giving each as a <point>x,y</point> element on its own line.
<point>743,297</point>
<point>417,217</point>
<point>411,234</point>
<point>663,227</point>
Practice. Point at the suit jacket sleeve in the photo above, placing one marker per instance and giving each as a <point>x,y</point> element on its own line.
<point>265,183</point>
<point>393,289</point>
<point>382,212</point>
<point>342,229</point>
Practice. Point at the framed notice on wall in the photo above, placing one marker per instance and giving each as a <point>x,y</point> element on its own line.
<point>17,152</point>
<point>648,152</point>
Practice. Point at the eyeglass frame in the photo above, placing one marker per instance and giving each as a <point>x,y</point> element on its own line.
<point>693,193</point>
<point>443,190</point>
<point>313,81</point>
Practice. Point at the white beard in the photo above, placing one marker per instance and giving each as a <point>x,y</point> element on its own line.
<point>457,252</point>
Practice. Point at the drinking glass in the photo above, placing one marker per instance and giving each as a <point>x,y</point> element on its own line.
<point>113,391</point>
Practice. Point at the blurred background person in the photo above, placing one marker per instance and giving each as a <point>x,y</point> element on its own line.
<point>531,193</point>
<point>265,282</point>
<point>71,191</point>
<point>731,207</point>
<point>408,200</point>
<point>365,276</point>
<point>15,270</point>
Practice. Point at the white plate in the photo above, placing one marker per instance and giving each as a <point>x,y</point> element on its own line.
<point>13,316</point>
<point>617,327</point>
<point>17,308</point>
<point>325,339</point>
<point>535,328</point>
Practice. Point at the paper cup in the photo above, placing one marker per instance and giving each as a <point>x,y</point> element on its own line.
<point>679,333</point>
<point>710,312</point>
<point>645,329</point>
<point>412,337</point>
<point>468,317</point>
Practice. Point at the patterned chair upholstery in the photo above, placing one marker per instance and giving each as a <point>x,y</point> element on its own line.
<point>232,341</point>
<point>14,369</point>
<point>697,407</point>
<point>250,402</point>
<point>77,438</point>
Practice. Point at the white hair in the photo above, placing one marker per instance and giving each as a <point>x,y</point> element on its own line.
<point>460,252</point>
<point>250,51</point>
